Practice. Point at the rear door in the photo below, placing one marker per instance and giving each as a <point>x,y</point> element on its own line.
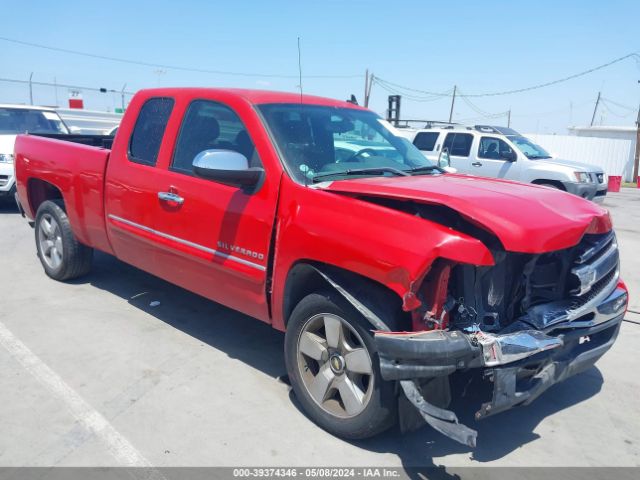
<point>459,146</point>
<point>131,190</point>
<point>214,240</point>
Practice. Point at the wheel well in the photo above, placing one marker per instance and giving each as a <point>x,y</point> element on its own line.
<point>38,191</point>
<point>555,183</point>
<point>309,277</point>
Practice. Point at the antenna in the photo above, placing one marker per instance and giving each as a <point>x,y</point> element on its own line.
<point>306,169</point>
<point>300,69</point>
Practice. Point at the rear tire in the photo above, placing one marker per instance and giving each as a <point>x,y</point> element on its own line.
<point>351,400</point>
<point>62,256</point>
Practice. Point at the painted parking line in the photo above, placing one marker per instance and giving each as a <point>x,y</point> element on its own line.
<point>88,417</point>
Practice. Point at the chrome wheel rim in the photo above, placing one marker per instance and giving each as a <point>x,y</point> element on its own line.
<point>50,239</point>
<point>334,365</point>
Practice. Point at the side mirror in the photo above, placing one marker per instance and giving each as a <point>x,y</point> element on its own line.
<point>509,156</point>
<point>227,167</point>
<point>444,160</point>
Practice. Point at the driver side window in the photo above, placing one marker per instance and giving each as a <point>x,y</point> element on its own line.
<point>493,148</point>
<point>209,125</point>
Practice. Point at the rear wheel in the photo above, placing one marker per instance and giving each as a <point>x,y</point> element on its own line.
<point>62,256</point>
<point>333,368</point>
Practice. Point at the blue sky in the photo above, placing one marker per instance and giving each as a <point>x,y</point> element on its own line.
<point>481,46</point>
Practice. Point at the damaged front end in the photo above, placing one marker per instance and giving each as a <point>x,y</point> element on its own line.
<point>524,324</point>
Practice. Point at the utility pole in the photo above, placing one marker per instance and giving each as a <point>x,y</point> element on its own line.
<point>31,89</point>
<point>509,118</point>
<point>122,96</point>
<point>636,160</point>
<point>366,87</point>
<point>595,110</point>
<point>368,90</point>
<point>453,101</point>
<point>55,89</point>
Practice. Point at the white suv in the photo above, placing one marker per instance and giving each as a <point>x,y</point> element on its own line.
<point>15,119</point>
<point>501,152</point>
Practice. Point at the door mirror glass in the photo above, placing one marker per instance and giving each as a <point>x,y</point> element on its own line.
<point>228,167</point>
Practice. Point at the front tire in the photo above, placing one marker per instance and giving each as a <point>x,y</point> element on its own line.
<point>62,256</point>
<point>334,369</point>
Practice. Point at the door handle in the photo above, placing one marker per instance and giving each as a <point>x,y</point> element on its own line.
<point>170,197</point>
<point>476,164</point>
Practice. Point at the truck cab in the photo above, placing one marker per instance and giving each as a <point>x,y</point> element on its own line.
<point>500,152</point>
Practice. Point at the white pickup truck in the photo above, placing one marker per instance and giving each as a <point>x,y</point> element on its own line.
<point>500,152</point>
<point>15,119</point>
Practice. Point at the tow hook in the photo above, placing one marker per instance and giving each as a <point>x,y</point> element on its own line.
<point>444,421</point>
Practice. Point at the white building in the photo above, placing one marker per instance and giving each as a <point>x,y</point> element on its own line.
<point>612,148</point>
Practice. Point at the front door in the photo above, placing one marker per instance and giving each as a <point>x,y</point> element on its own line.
<point>496,159</point>
<point>214,238</point>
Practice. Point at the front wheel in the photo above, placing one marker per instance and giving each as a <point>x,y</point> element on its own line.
<point>62,256</point>
<point>333,368</point>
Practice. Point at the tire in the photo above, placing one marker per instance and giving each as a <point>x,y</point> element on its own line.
<point>337,371</point>
<point>550,185</point>
<point>62,256</point>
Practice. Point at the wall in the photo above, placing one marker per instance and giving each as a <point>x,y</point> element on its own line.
<point>613,155</point>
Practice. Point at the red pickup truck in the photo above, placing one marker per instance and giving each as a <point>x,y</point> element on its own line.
<point>389,275</point>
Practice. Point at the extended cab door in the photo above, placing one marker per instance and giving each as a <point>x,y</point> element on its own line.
<point>495,158</point>
<point>131,185</point>
<point>213,238</point>
<point>459,146</point>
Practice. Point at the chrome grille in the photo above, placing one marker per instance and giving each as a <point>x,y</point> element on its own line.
<point>596,259</point>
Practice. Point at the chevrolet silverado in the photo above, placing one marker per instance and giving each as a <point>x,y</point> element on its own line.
<point>389,275</point>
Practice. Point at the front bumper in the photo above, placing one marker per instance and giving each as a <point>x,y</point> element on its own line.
<point>521,364</point>
<point>601,194</point>
<point>584,190</point>
<point>7,179</point>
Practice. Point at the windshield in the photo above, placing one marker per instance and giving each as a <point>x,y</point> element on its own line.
<point>21,120</point>
<point>530,149</point>
<point>320,140</point>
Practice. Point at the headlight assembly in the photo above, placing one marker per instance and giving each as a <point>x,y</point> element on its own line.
<point>6,158</point>
<point>582,177</point>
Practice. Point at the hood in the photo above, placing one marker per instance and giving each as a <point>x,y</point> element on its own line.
<point>576,166</point>
<point>7,143</point>
<point>525,218</point>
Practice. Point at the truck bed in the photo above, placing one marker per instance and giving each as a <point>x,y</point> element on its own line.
<point>75,167</point>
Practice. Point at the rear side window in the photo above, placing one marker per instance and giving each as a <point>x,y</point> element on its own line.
<point>458,144</point>
<point>149,130</point>
<point>426,140</point>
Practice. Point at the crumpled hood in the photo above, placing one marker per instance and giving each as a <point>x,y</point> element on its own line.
<point>576,166</point>
<point>7,143</point>
<point>526,218</point>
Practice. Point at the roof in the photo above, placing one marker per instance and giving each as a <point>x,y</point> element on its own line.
<point>26,107</point>
<point>257,96</point>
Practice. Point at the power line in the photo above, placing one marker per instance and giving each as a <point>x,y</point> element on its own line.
<point>168,67</point>
<point>62,85</point>
<point>525,89</point>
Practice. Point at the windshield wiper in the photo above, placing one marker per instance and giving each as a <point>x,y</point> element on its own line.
<point>426,168</point>
<point>361,171</point>
<point>538,157</point>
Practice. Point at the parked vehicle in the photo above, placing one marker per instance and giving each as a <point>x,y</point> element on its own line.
<point>501,152</point>
<point>387,274</point>
<point>15,119</point>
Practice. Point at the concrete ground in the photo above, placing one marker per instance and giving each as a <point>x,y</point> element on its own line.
<point>91,374</point>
